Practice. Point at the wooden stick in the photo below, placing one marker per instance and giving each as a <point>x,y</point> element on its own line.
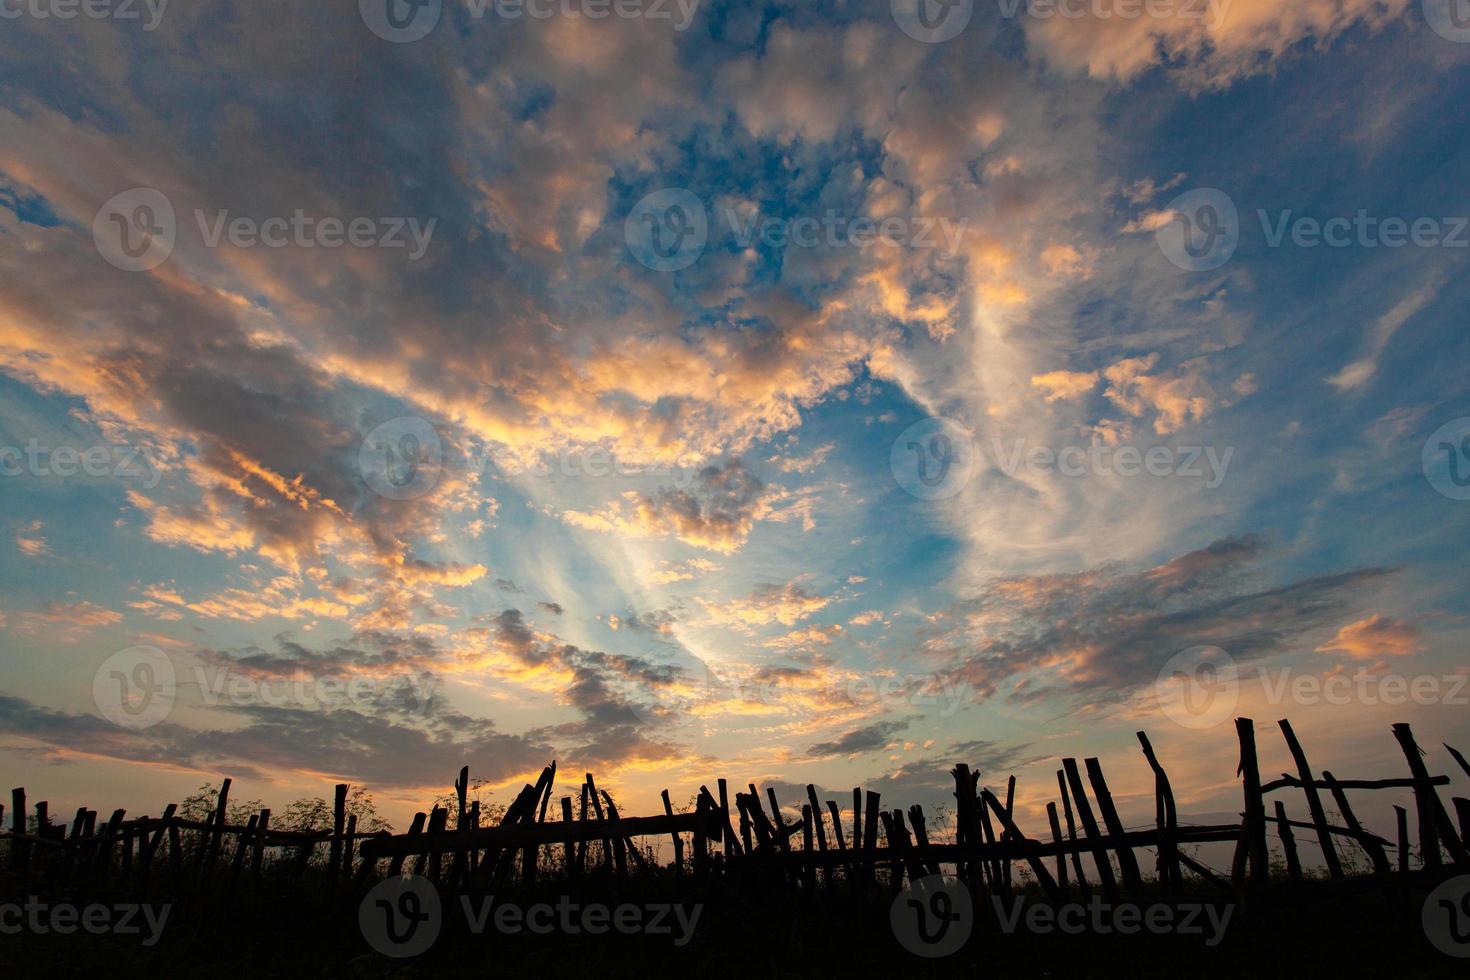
<point>1166,819</point>
<point>1373,848</point>
<point>1288,843</point>
<point>1402,818</point>
<point>1252,845</point>
<point>1127,863</point>
<point>1056,836</point>
<point>1076,852</point>
<point>1090,830</point>
<point>678,839</point>
<point>1314,801</point>
<point>1434,823</point>
<point>1038,866</point>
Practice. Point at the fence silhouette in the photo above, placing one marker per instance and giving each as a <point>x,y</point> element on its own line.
<point>744,838</point>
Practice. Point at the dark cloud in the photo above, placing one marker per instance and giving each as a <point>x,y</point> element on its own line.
<point>869,738</point>
<point>1106,631</point>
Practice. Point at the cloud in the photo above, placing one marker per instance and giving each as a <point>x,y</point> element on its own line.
<point>785,604</point>
<point>1104,632</point>
<point>31,541</point>
<point>1205,45</point>
<point>1065,385</point>
<point>1375,636</point>
<point>870,738</point>
<point>1358,373</point>
<point>717,513</point>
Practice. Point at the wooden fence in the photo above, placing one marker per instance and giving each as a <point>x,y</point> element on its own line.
<point>1085,844</point>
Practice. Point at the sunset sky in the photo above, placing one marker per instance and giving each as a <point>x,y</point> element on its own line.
<point>737,389</point>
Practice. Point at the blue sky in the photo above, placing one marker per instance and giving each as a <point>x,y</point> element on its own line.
<point>666,522</point>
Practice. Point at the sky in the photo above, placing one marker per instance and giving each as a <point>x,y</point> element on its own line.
<point>789,392</point>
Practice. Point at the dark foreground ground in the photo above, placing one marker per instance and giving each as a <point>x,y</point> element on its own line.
<point>1309,930</point>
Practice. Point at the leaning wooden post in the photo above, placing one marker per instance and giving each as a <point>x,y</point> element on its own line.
<point>1314,800</point>
<point>1288,843</point>
<point>1462,813</point>
<point>1127,863</point>
<point>1166,820</point>
<point>1027,846</point>
<point>1075,851</point>
<point>1369,843</point>
<point>837,835</point>
<point>1056,837</point>
<point>1431,810</point>
<point>727,831</point>
<point>857,818</point>
<point>1090,830</point>
<point>1252,844</point>
<point>817,822</point>
<point>678,838</point>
